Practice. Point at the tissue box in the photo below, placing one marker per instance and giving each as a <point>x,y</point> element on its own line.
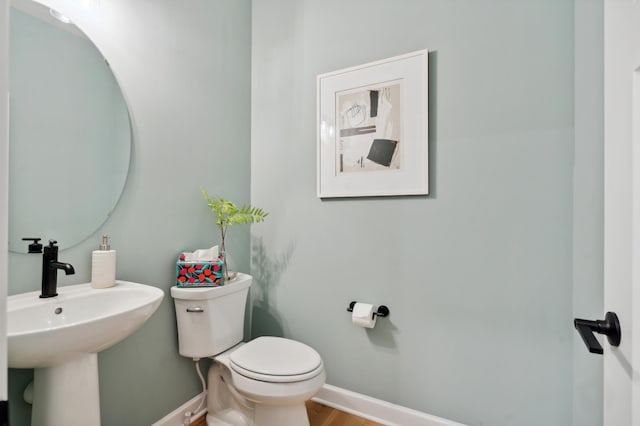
<point>200,273</point>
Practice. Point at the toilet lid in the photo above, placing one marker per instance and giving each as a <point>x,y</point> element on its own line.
<point>276,356</point>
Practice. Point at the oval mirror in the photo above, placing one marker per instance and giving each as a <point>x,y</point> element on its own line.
<point>70,134</point>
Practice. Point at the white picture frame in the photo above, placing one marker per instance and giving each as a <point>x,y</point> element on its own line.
<point>372,129</point>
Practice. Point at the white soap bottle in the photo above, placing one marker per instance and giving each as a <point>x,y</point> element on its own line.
<point>103,265</point>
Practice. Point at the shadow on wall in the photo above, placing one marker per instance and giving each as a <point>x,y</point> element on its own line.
<point>19,378</point>
<point>266,268</point>
<point>383,334</point>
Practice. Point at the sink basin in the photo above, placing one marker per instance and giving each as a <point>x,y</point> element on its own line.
<point>80,320</point>
<point>61,336</point>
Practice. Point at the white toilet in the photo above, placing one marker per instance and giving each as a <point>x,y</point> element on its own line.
<point>264,382</point>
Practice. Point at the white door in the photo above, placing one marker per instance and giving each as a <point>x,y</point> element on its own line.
<point>622,208</point>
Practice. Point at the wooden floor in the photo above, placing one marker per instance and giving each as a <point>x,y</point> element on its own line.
<point>202,421</point>
<point>320,415</point>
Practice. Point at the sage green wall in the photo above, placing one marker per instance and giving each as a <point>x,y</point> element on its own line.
<point>479,274</point>
<point>184,68</point>
<point>588,203</point>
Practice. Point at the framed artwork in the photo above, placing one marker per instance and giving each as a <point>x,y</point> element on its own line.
<point>373,129</point>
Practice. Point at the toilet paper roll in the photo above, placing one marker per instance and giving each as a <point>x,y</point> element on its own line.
<point>363,315</point>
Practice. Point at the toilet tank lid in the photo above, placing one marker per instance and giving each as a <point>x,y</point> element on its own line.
<point>276,356</point>
<point>241,282</point>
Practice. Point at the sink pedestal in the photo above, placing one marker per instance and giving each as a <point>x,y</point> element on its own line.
<point>60,338</point>
<point>67,394</point>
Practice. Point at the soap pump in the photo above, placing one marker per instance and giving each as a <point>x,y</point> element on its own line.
<point>103,267</point>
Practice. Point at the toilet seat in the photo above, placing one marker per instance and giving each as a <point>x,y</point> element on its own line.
<point>276,360</point>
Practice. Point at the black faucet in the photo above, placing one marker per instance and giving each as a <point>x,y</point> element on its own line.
<point>50,266</point>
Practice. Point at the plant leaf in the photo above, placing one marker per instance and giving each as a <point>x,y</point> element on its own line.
<point>228,214</point>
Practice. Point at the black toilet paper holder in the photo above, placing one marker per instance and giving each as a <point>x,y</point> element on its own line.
<point>382,311</point>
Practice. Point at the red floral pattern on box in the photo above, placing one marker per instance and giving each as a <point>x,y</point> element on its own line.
<point>199,274</point>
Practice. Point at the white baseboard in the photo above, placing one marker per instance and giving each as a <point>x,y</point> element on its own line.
<point>377,410</point>
<point>345,400</point>
<point>176,417</point>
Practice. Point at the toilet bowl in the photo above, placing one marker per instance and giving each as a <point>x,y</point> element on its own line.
<point>264,382</point>
<point>277,375</point>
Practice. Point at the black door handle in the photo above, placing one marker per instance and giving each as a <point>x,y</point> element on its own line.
<point>610,327</point>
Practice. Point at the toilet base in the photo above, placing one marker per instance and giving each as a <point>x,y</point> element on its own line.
<point>223,409</point>
<point>228,417</point>
<point>227,409</point>
<point>265,415</point>
<point>278,415</point>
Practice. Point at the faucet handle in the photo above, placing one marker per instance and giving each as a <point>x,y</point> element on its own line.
<point>52,247</point>
<point>35,246</point>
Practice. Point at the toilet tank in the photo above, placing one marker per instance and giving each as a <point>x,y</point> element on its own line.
<point>210,319</point>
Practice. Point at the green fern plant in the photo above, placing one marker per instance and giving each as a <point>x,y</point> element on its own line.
<point>229,214</point>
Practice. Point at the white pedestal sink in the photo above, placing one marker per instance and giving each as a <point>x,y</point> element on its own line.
<point>61,336</point>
